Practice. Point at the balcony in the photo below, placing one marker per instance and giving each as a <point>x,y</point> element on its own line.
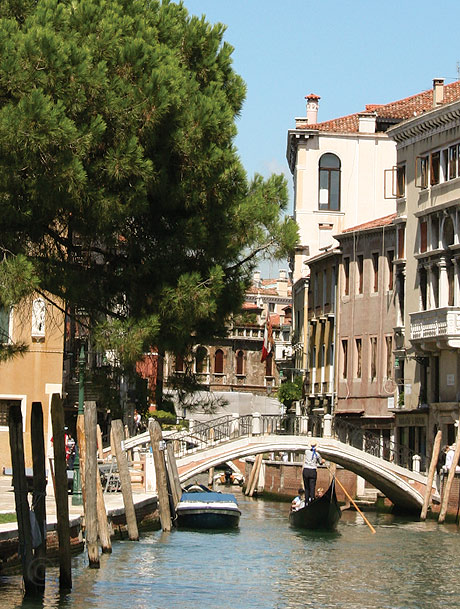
<point>436,329</point>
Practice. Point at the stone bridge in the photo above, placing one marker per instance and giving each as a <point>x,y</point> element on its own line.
<point>210,444</point>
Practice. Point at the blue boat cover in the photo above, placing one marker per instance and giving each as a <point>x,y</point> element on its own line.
<point>208,497</point>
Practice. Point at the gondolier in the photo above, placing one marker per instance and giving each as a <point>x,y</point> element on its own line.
<point>309,473</point>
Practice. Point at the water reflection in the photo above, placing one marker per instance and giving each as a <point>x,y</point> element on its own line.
<point>266,564</point>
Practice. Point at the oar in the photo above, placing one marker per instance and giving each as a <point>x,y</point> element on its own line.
<point>350,498</point>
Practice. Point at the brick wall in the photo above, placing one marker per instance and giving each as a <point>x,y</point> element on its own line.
<point>285,479</point>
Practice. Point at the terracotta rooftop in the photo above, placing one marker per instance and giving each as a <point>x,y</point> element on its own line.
<point>398,110</point>
<point>251,306</point>
<point>377,223</point>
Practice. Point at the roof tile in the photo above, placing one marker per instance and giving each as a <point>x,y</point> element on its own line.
<point>401,109</point>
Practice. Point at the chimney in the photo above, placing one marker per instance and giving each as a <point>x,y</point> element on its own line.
<point>438,91</point>
<point>312,108</point>
<point>256,278</point>
<point>282,283</point>
<point>367,122</point>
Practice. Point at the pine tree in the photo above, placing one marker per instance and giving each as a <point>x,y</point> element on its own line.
<point>119,178</point>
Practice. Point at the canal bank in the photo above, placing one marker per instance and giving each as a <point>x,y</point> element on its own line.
<point>146,507</point>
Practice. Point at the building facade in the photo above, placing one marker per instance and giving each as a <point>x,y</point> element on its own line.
<point>233,364</point>
<point>344,173</point>
<point>319,383</point>
<point>427,267</point>
<point>35,375</point>
<point>366,381</point>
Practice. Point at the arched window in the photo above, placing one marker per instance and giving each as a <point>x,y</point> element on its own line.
<point>219,362</point>
<point>240,362</point>
<point>269,365</point>
<point>179,363</point>
<point>201,360</point>
<point>329,182</point>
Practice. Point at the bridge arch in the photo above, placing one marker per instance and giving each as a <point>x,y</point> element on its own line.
<point>403,487</point>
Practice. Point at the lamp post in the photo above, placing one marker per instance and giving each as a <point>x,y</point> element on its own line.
<point>77,497</point>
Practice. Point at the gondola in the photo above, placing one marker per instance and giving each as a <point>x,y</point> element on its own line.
<point>321,513</point>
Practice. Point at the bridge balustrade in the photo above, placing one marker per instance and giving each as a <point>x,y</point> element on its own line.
<point>373,444</point>
<point>232,427</point>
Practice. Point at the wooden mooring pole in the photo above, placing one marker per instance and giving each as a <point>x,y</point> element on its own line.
<point>91,473</point>
<point>81,441</point>
<point>448,484</point>
<point>125,479</point>
<point>253,476</point>
<point>431,472</point>
<point>173,474</point>
<point>156,439</point>
<point>102,523</point>
<point>39,492</point>
<point>255,480</point>
<point>20,496</point>
<point>61,495</point>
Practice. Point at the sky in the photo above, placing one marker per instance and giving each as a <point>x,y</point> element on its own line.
<point>350,53</point>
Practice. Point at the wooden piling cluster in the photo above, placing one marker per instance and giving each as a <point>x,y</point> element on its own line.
<point>89,442</point>
<point>254,476</point>
<point>448,484</point>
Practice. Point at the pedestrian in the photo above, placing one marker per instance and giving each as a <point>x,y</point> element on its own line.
<point>309,474</point>
<point>69,449</point>
<point>137,422</point>
<point>450,459</point>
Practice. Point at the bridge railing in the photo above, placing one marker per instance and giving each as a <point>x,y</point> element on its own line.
<point>231,427</point>
<point>204,435</point>
<point>373,444</point>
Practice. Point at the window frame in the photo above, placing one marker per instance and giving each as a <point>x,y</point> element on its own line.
<point>239,357</point>
<point>390,258</point>
<point>346,273</point>
<point>345,346</point>
<point>6,322</point>
<point>375,256</point>
<point>329,172</point>
<point>389,354</point>
<point>401,181</point>
<point>423,231</point>
<point>219,359</point>
<point>373,353</point>
<point>360,273</point>
<point>359,357</point>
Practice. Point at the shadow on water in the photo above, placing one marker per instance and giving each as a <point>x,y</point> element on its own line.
<point>316,536</point>
<point>234,531</point>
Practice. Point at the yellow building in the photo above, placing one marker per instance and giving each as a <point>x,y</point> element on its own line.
<point>34,376</point>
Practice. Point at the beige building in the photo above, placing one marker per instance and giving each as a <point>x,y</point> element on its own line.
<point>343,173</point>
<point>427,267</point>
<point>34,376</point>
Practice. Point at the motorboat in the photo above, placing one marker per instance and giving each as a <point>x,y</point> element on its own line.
<point>203,508</point>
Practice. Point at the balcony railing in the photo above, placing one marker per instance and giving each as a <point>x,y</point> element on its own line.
<point>436,324</point>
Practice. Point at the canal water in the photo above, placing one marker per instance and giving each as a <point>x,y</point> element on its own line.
<point>265,564</point>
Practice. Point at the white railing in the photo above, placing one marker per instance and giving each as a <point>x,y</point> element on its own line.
<point>435,323</point>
